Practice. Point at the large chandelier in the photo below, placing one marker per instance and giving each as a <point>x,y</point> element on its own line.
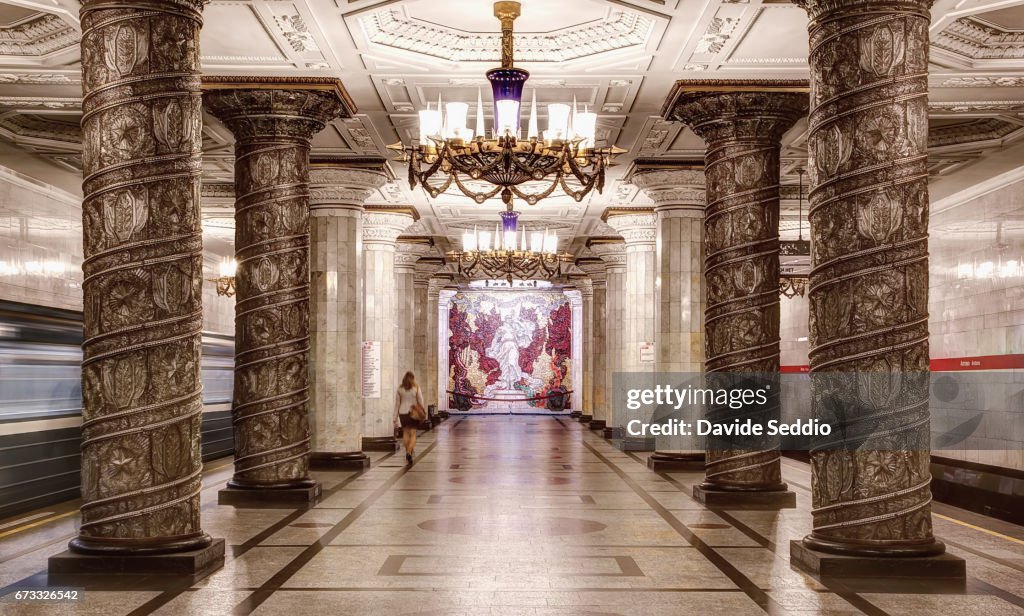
<point>510,253</point>
<point>565,155</point>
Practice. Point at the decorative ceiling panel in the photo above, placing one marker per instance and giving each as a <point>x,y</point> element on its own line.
<point>398,28</point>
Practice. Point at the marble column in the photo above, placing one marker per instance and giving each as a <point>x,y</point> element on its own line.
<point>337,194</point>
<point>868,290</point>
<point>408,251</point>
<point>678,192</point>
<point>273,121</point>
<point>142,289</point>
<point>742,124</point>
<point>425,320</point>
<point>381,229</point>
<point>595,269</point>
<point>433,396</point>
<point>638,228</point>
<point>444,371</point>
<point>586,383</point>
<point>613,253</point>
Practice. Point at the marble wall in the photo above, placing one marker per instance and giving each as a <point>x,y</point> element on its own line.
<point>976,323</point>
<point>41,231</point>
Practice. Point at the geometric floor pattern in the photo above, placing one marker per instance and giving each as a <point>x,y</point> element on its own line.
<point>519,516</point>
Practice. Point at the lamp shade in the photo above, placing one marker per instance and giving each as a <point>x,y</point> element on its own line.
<point>507,85</point>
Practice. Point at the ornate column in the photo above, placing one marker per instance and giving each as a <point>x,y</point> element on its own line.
<point>678,191</point>
<point>381,229</point>
<point>742,124</point>
<point>273,121</point>
<point>586,383</point>
<point>142,292</point>
<point>638,229</point>
<point>408,251</point>
<point>425,319</point>
<point>612,252</point>
<point>595,269</point>
<point>868,137</point>
<point>337,193</point>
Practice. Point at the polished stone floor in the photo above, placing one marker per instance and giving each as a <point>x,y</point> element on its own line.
<point>515,515</point>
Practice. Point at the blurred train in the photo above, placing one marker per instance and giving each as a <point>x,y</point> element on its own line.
<point>41,404</point>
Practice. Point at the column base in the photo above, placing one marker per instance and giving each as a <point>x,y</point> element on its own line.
<point>636,443</point>
<point>250,497</point>
<point>731,499</point>
<point>195,564</point>
<point>338,461</point>
<point>585,418</point>
<point>597,425</point>
<point>612,433</point>
<point>826,565</point>
<point>661,461</point>
<point>576,414</point>
<point>381,443</point>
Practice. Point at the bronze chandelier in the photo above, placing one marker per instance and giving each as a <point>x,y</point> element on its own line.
<point>450,153</point>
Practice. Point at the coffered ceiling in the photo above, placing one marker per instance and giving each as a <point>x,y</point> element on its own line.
<point>619,57</point>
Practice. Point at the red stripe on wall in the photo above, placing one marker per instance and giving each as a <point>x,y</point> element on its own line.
<point>951,364</point>
<point>984,362</point>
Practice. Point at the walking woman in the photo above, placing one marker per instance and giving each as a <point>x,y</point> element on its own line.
<point>409,412</point>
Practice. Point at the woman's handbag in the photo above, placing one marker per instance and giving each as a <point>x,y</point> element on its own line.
<point>417,412</point>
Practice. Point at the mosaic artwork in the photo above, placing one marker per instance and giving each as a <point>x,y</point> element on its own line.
<point>509,348</point>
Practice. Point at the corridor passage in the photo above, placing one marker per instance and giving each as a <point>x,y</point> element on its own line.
<point>518,515</point>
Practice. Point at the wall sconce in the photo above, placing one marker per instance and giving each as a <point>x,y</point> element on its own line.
<point>793,286</point>
<point>226,281</point>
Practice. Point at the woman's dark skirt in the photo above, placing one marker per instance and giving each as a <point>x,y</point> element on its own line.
<point>407,421</point>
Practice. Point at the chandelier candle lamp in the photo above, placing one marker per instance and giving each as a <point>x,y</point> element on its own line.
<point>510,252</point>
<point>565,155</point>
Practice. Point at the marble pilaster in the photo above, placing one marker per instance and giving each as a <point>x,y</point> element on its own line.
<point>868,290</point>
<point>679,195</point>
<point>381,229</point>
<point>595,269</point>
<point>408,251</point>
<point>638,228</point>
<point>425,339</point>
<point>273,122</point>
<point>586,384</point>
<point>142,289</point>
<point>337,194</point>
<point>613,254</point>
<point>742,124</point>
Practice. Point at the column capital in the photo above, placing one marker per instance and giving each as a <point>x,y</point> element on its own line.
<point>817,8</point>
<point>407,253</point>
<point>613,254</point>
<point>585,285</point>
<point>595,268</point>
<point>383,228</point>
<point>338,185</point>
<point>673,186</point>
<point>438,282</point>
<point>724,111</point>
<point>637,226</point>
<point>257,108</point>
<point>426,267</point>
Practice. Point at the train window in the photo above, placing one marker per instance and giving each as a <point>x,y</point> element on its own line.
<point>41,356</point>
